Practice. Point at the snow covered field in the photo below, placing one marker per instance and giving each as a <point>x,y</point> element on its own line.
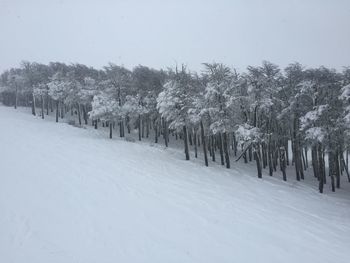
<point>71,195</point>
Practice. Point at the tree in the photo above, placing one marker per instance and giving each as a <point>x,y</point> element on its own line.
<point>175,101</point>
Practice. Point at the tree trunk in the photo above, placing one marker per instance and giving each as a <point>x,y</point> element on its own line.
<point>287,151</point>
<point>321,167</point>
<point>155,133</point>
<point>264,155</point>
<point>166,133</point>
<point>62,110</point>
<point>33,104</point>
<point>227,157</point>
<point>204,145</point>
<point>283,163</point>
<point>212,148</point>
<point>57,109</point>
<point>269,153</point>
<point>220,149</point>
<point>332,183</point>
<point>140,127</point>
<point>148,123</point>
<point>16,97</point>
<point>306,159</point>
<point>79,114</point>
<point>85,115</point>
<point>258,160</point>
<point>195,143</point>
<point>314,160</point>
<point>110,130</point>
<point>42,106</point>
<point>234,144</point>
<point>337,169</point>
<point>47,104</point>
<point>186,142</point>
<point>51,105</point>
<point>296,148</point>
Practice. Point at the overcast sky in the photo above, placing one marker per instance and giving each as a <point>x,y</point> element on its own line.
<point>161,33</point>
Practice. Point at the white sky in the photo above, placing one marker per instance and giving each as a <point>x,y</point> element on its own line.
<point>161,33</point>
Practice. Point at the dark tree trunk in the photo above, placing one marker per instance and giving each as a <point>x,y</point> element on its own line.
<point>33,104</point>
<point>42,107</point>
<point>287,151</point>
<point>85,115</point>
<point>283,163</point>
<point>234,144</point>
<point>186,142</point>
<point>337,169</point>
<point>269,153</point>
<point>79,114</point>
<point>166,133</point>
<point>47,104</point>
<point>148,123</point>
<point>57,110</point>
<point>264,155</point>
<point>347,161</point>
<point>321,167</point>
<point>195,143</point>
<point>306,158</point>
<point>258,160</point>
<point>245,156</point>
<point>62,110</point>
<point>346,170</point>
<point>204,145</point>
<point>190,138</point>
<point>16,97</point>
<point>51,104</point>
<point>140,127</point>
<point>227,157</point>
<point>220,149</point>
<point>212,148</point>
<point>296,151</point>
<point>332,183</point>
<point>314,160</point>
<point>156,133</point>
<point>110,130</point>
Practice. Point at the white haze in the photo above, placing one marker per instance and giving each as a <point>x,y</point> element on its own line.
<point>160,33</point>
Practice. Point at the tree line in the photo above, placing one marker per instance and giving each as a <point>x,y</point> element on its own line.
<point>221,115</point>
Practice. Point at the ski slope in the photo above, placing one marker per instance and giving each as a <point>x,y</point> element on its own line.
<point>69,195</point>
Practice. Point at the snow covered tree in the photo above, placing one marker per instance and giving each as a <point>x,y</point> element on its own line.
<point>105,108</point>
<point>175,101</point>
<point>58,90</point>
<point>220,94</point>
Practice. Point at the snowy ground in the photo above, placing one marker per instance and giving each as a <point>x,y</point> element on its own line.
<point>71,195</point>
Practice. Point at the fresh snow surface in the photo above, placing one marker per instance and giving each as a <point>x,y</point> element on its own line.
<point>71,195</point>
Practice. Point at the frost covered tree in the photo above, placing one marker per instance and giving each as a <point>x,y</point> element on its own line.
<point>255,115</point>
<point>146,85</point>
<point>220,94</point>
<point>175,101</point>
<point>105,108</point>
<point>16,81</point>
<point>58,90</point>
<point>118,81</point>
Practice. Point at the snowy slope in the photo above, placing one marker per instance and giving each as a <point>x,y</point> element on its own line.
<point>69,195</point>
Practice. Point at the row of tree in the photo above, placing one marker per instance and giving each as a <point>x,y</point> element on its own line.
<point>263,115</point>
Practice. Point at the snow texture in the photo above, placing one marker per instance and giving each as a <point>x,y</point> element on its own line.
<point>72,195</point>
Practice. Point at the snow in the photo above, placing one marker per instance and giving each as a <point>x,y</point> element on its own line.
<point>315,134</point>
<point>71,195</point>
